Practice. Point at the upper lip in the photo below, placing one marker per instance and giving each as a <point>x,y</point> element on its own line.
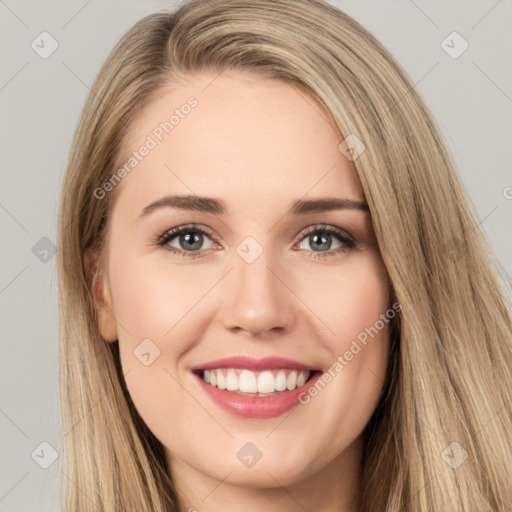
<point>251,363</point>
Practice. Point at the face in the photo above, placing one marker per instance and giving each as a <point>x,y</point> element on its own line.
<point>287,288</point>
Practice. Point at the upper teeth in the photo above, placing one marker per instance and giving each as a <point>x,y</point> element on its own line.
<point>247,381</point>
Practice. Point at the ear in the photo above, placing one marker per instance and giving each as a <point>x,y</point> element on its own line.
<point>101,294</point>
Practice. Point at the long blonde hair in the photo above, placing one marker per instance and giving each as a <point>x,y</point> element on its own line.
<point>449,376</point>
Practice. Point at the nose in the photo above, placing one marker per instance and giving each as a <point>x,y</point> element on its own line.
<point>257,300</point>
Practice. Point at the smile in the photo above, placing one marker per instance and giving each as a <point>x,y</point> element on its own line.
<point>255,388</point>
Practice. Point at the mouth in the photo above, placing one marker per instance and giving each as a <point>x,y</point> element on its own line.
<point>249,387</point>
<point>257,394</point>
<point>264,383</point>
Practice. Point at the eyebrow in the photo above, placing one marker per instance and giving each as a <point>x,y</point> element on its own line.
<point>218,207</point>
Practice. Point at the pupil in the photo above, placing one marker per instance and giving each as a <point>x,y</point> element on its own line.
<point>190,240</point>
<point>324,240</point>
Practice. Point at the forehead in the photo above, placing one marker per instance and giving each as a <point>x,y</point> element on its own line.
<point>235,135</point>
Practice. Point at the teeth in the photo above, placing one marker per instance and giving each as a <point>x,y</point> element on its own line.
<point>280,382</point>
<point>247,381</point>
<point>291,381</point>
<point>266,382</point>
<point>221,380</point>
<point>231,381</point>
<point>301,380</point>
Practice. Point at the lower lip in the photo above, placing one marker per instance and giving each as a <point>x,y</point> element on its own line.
<point>253,406</point>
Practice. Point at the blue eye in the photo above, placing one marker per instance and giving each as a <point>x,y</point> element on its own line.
<point>190,240</point>
<point>320,237</point>
<point>189,237</point>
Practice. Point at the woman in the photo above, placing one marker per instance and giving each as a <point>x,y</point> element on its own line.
<point>212,358</point>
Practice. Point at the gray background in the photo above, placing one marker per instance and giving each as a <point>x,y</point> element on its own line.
<point>40,101</point>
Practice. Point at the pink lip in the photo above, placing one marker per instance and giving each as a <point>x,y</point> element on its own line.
<point>253,406</point>
<point>250,363</point>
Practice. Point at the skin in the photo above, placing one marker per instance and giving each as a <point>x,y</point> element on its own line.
<point>258,145</point>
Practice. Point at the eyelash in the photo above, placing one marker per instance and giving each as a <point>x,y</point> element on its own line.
<point>169,235</point>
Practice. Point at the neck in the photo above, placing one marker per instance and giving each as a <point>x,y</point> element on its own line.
<point>333,488</point>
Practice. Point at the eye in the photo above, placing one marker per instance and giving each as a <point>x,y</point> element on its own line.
<point>187,241</point>
<point>320,237</point>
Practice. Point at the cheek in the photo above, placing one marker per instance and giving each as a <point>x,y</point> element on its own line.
<point>348,298</point>
<point>153,300</point>
<point>365,324</point>
<point>357,309</point>
<point>344,399</point>
<point>152,303</point>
